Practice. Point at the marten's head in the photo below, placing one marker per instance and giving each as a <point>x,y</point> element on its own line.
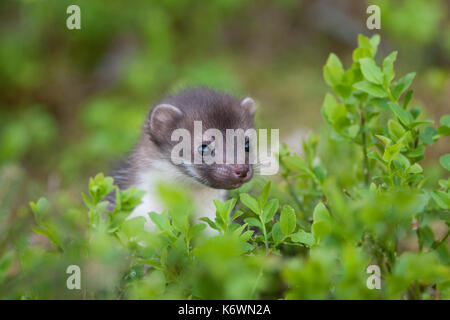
<point>214,158</point>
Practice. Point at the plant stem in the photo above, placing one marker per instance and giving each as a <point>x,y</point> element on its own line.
<point>260,274</point>
<point>266,243</point>
<point>366,172</point>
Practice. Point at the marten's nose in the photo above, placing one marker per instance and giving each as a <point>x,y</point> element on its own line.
<point>241,172</point>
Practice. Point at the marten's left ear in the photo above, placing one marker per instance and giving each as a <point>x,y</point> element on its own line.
<point>164,115</point>
<point>162,121</point>
<point>249,104</point>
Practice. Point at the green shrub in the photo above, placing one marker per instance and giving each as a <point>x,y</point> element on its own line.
<point>356,197</point>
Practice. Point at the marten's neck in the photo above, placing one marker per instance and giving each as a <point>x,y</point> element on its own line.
<point>146,164</point>
<point>146,168</point>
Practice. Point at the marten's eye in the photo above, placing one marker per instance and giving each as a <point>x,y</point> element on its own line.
<point>247,146</point>
<point>204,150</point>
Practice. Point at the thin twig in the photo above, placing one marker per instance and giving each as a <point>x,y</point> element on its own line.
<point>366,172</point>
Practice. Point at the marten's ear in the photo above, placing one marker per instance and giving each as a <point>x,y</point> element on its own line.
<point>162,121</point>
<point>249,104</point>
<point>164,116</point>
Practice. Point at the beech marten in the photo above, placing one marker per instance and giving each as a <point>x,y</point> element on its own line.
<point>151,161</point>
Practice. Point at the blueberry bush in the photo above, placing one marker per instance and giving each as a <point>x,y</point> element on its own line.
<point>358,196</point>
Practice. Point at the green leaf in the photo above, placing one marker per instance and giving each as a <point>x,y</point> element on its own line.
<point>371,71</point>
<point>441,198</point>
<point>445,184</point>
<point>343,90</point>
<point>444,128</point>
<point>415,168</point>
<point>351,76</point>
<point>427,236</point>
<point>374,155</point>
<point>407,99</point>
<point>320,229</point>
<point>374,42</point>
<point>370,88</point>
<point>223,209</point>
<point>333,70</point>
<point>380,103</point>
<point>338,117</point>
<point>321,213</point>
<point>303,237</point>
<point>40,209</point>
<point>50,231</point>
<point>415,111</point>
<point>333,113</point>
<point>328,105</point>
<point>100,186</point>
<point>270,209</point>
<point>402,84</point>
<point>388,68</point>
<point>296,163</point>
<point>445,120</point>
<point>277,235</point>
<point>426,136</point>
<point>129,199</point>
<point>210,223</point>
<point>253,222</point>
<point>236,215</point>
<point>246,235</point>
<point>195,230</point>
<point>87,201</point>
<point>445,161</point>
<point>443,131</point>
<point>352,131</point>
<point>133,227</point>
<point>403,115</point>
<point>321,222</point>
<point>220,224</point>
<point>360,53</point>
<point>369,44</point>
<point>419,123</point>
<point>417,152</point>
<point>262,198</point>
<point>320,172</point>
<point>386,141</point>
<point>250,203</point>
<point>160,220</point>
<point>391,151</point>
<point>402,161</point>
<point>396,130</point>
<point>288,220</point>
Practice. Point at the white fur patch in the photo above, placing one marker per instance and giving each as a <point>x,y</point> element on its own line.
<point>162,172</point>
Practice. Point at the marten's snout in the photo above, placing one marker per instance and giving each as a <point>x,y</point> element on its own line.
<point>225,176</point>
<point>241,173</point>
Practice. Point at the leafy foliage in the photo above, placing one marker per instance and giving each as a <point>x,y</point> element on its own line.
<point>358,196</point>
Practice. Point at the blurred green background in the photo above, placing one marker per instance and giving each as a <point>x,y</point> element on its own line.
<point>72,101</point>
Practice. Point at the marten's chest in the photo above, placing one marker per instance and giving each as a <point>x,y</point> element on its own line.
<point>149,181</point>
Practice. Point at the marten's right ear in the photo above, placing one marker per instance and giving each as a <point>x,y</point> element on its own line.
<point>249,104</point>
<point>164,116</point>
